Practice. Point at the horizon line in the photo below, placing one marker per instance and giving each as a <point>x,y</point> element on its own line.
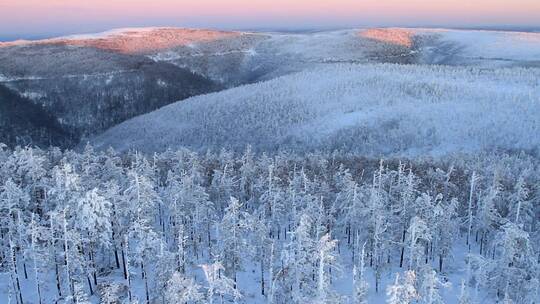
<point>278,29</point>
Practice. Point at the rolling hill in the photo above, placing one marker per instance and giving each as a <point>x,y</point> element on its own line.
<point>369,109</point>
<point>89,83</point>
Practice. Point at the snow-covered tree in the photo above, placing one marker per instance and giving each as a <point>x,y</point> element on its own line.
<point>218,283</point>
<point>430,286</point>
<point>402,291</point>
<point>181,290</point>
<point>234,229</point>
<point>119,227</point>
<point>328,267</point>
<point>360,284</point>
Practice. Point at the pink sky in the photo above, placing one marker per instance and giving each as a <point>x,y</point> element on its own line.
<point>35,17</point>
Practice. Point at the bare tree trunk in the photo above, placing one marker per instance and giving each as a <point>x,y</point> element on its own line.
<point>24,270</point>
<point>52,245</point>
<point>17,282</point>
<point>145,276</point>
<point>402,249</point>
<point>262,271</point>
<point>58,286</point>
<point>473,180</point>
<point>66,255</point>
<point>90,285</point>
<point>116,258</point>
<point>124,265</point>
<point>125,260</point>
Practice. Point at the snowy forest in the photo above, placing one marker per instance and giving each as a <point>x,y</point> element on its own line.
<point>225,227</point>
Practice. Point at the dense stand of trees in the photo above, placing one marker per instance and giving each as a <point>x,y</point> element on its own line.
<point>22,122</point>
<point>182,227</point>
<point>371,110</point>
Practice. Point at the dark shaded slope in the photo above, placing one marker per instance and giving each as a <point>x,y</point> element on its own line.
<point>23,122</point>
<point>89,90</point>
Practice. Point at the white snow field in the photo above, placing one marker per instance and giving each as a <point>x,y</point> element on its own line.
<point>375,109</point>
<point>484,48</point>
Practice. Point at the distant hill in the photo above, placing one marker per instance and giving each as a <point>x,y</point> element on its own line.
<point>89,83</point>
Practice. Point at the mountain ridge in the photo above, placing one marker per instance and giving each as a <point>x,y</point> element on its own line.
<point>82,79</point>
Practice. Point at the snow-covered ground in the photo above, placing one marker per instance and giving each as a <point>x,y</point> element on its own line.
<point>491,47</point>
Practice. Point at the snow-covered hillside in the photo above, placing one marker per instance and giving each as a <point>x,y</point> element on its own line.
<point>89,83</point>
<point>133,40</point>
<point>369,109</point>
<point>485,48</point>
<point>263,56</point>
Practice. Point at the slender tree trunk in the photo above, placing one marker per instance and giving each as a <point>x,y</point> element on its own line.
<point>90,285</point>
<point>116,258</point>
<point>15,272</point>
<point>24,270</point>
<point>93,260</point>
<point>377,280</point>
<point>145,276</point>
<point>482,243</point>
<point>262,270</point>
<point>52,245</point>
<point>125,260</point>
<point>348,233</point>
<point>473,180</point>
<point>124,265</point>
<point>271,275</point>
<point>426,253</point>
<point>34,258</point>
<point>57,273</point>
<point>20,248</point>
<point>66,257</point>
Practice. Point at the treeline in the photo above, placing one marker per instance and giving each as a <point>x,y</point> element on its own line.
<point>131,228</point>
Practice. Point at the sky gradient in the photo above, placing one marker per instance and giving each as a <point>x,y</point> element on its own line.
<point>35,18</point>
